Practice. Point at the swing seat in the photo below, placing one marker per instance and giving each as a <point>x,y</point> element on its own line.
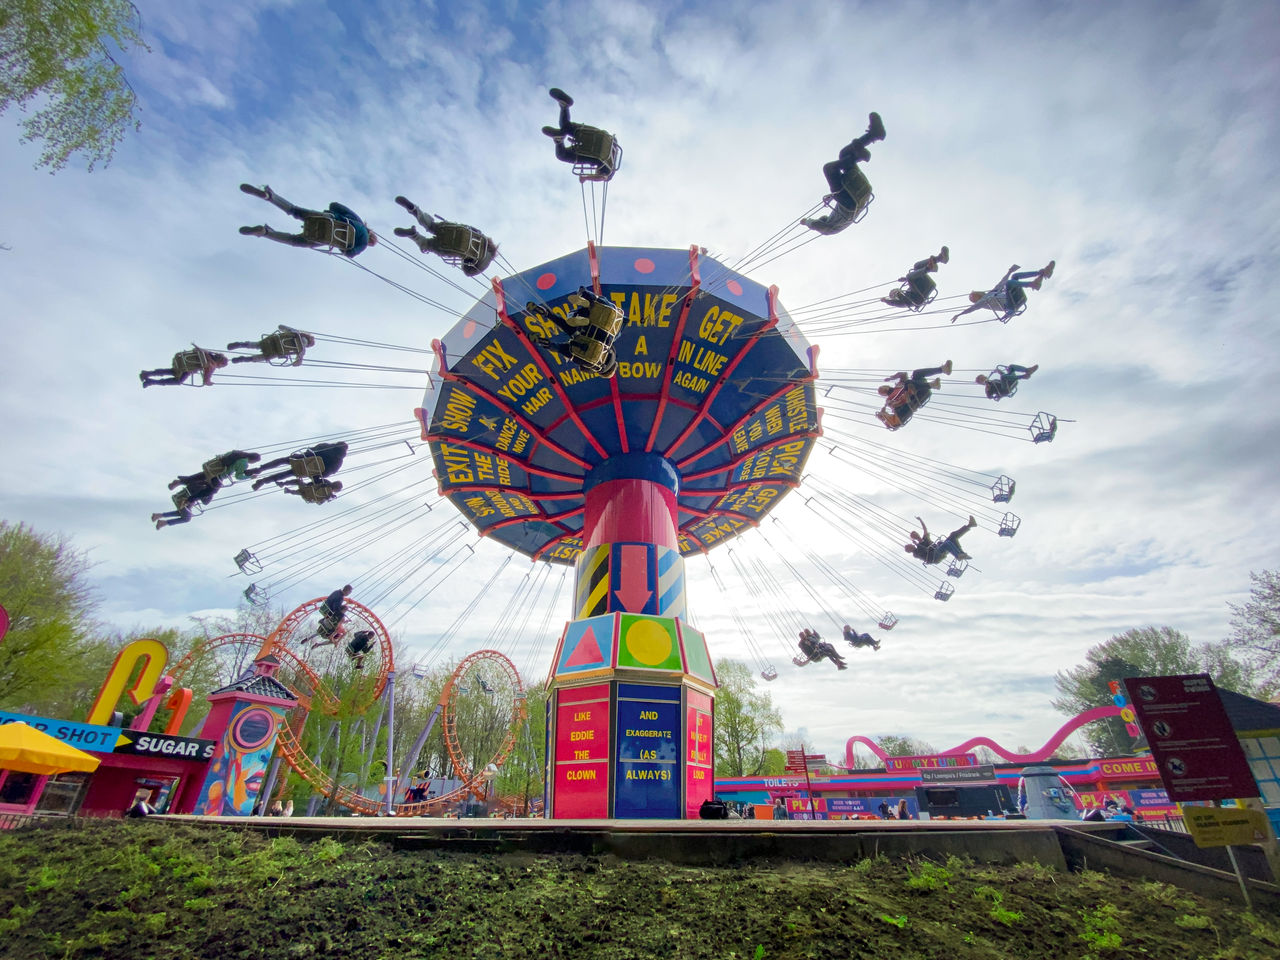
<point>329,231</point>
<point>1002,489</point>
<point>191,361</point>
<point>247,562</point>
<point>597,154</point>
<point>957,568</point>
<point>944,592</point>
<point>182,501</point>
<point>916,294</point>
<point>329,628</point>
<point>589,352</point>
<point>1043,428</point>
<point>456,243</point>
<point>255,595</point>
<point>858,187</point>
<point>769,673</point>
<point>888,621</point>
<point>999,374</point>
<point>1009,525</point>
<point>318,491</point>
<point>306,465</point>
<point>1016,297</point>
<point>801,661</point>
<point>281,349</point>
<point>213,469</point>
<point>889,419</point>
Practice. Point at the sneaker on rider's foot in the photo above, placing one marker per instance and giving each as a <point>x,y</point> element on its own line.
<point>1032,369</point>
<point>972,521</point>
<point>560,96</point>
<point>944,255</point>
<point>1047,272</point>
<point>261,192</point>
<point>404,231</point>
<point>935,383</point>
<point>946,368</point>
<point>554,133</point>
<point>875,126</point>
<point>260,231</point>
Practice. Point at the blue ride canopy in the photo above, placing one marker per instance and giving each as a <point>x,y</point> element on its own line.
<point>713,375</point>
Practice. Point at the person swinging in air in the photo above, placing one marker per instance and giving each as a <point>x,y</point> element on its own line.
<point>918,288</point>
<point>1008,298</point>
<point>339,227</point>
<point>186,364</point>
<point>588,333</point>
<point>850,190</point>
<point>455,243</point>
<point>595,153</point>
<point>285,347</point>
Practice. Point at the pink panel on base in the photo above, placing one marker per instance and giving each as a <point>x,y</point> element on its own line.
<point>698,785</point>
<point>581,786</point>
<point>639,511</point>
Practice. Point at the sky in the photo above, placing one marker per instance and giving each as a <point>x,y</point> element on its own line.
<point>1134,144</point>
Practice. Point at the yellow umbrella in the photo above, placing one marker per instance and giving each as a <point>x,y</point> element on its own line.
<point>27,750</point>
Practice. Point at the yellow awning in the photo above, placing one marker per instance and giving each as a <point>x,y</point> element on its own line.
<point>27,750</point>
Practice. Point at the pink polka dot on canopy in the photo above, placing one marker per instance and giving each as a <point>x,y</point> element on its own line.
<point>644,265</point>
<point>734,287</point>
<point>545,281</point>
<point>468,330</point>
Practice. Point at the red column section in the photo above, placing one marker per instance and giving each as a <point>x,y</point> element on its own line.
<point>636,511</point>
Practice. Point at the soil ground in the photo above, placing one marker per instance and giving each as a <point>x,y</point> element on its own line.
<point>142,890</point>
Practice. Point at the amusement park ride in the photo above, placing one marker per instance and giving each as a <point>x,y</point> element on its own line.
<point>617,410</point>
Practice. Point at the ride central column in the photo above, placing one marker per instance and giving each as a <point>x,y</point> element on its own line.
<point>631,708</point>
<point>630,560</point>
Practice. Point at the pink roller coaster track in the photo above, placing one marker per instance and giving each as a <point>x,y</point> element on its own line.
<point>1036,756</point>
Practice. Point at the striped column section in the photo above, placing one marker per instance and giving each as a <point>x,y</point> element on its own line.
<point>671,597</point>
<point>591,586</point>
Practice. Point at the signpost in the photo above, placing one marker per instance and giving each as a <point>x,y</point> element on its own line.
<point>798,762</point>
<point>1199,757</point>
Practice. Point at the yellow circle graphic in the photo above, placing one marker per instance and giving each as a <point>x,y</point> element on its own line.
<point>648,642</point>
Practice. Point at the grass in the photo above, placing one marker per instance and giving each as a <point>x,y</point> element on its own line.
<point>154,891</point>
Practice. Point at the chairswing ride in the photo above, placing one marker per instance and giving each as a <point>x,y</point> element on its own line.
<point>552,378</point>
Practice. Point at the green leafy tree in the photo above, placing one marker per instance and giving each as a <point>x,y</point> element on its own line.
<point>58,54</point>
<point>746,722</point>
<point>1142,652</point>
<point>1255,630</point>
<point>50,603</point>
<point>903,746</point>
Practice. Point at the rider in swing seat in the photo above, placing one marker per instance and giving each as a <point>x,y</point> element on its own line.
<point>232,465</point>
<point>594,153</point>
<point>339,227</point>
<point>186,363</point>
<point>1008,298</point>
<point>313,491</point>
<point>455,243</point>
<point>857,639</point>
<point>287,345</point>
<point>1003,381</point>
<point>918,287</point>
<point>587,333</point>
<point>850,189</point>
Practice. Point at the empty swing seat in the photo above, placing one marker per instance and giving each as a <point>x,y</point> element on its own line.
<point>1002,489</point>
<point>769,673</point>
<point>957,568</point>
<point>1043,428</point>
<point>1009,524</point>
<point>888,621</point>
<point>944,592</point>
<point>247,562</point>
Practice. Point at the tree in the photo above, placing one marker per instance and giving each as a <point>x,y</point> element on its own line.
<point>902,746</point>
<point>50,604</point>
<point>1148,651</point>
<point>56,52</point>
<point>1255,630</point>
<point>746,722</point>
